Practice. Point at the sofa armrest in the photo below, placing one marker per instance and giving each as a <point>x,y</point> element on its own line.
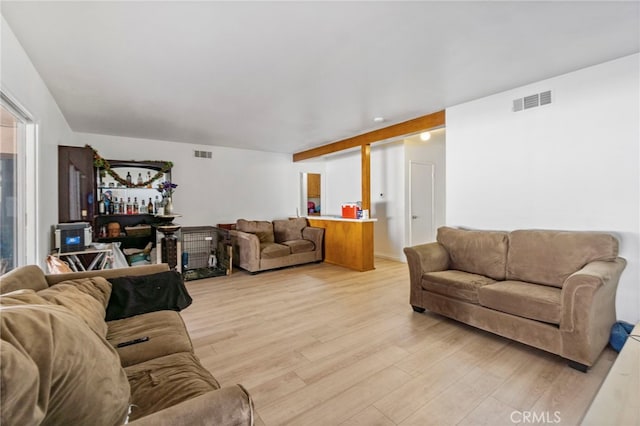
<point>589,309</point>
<point>421,259</point>
<point>108,273</point>
<point>246,249</point>
<point>315,235</point>
<point>230,406</point>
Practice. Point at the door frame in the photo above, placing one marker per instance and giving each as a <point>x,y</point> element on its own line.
<point>28,240</point>
<point>412,164</point>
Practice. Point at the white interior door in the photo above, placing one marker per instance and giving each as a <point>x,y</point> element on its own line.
<point>421,203</point>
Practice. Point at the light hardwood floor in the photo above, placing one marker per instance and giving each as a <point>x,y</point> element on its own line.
<point>323,345</point>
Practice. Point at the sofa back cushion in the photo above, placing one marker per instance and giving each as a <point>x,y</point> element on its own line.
<point>22,297</point>
<point>86,297</point>
<point>476,252</point>
<point>289,229</point>
<point>261,228</point>
<point>549,257</point>
<point>55,370</point>
<point>27,277</point>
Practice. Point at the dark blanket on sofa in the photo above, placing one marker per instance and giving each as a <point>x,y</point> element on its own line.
<point>135,295</point>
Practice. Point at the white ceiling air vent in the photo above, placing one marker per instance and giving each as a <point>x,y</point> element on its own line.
<point>532,101</point>
<point>202,154</point>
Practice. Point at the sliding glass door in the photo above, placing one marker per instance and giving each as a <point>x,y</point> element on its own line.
<point>15,186</point>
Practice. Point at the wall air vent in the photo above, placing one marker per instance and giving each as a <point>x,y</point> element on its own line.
<point>545,97</point>
<point>202,154</point>
<point>518,105</point>
<point>532,101</point>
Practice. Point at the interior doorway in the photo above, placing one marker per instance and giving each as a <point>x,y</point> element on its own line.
<point>310,194</point>
<point>421,203</point>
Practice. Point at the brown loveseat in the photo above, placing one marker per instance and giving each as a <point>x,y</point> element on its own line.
<point>61,366</point>
<point>554,290</point>
<point>262,245</point>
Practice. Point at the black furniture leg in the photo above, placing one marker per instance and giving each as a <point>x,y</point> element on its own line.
<point>418,309</point>
<point>577,366</point>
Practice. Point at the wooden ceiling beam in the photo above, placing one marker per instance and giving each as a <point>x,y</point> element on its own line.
<point>418,124</point>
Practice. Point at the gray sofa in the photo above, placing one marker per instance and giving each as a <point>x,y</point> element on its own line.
<point>554,290</point>
<point>263,245</point>
<point>61,364</point>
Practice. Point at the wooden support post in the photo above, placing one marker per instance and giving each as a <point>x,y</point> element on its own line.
<point>366,176</point>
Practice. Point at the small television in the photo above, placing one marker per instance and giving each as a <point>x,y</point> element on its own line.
<point>70,237</point>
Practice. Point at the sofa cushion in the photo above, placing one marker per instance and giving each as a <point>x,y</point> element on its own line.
<point>29,276</point>
<point>166,332</point>
<point>84,297</point>
<point>22,297</point>
<point>58,370</point>
<point>140,294</point>
<point>549,257</point>
<point>273,250</point>
<point>167,381</point>
<point>533,301</point>
<point>97,287</point>
<point>299,246</point>
<point>477,252</point>
<point>261,228</point>
<point>457,284</point>
<point>289,229</point>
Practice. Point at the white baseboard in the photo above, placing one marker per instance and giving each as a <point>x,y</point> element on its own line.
<point>390,257</point>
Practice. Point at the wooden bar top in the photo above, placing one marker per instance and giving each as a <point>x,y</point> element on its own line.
<point>340,219</point>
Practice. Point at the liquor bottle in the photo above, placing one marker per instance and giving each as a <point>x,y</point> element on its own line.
<point>148,179</point>
<point>129,182</point>
<point>108,205</point>
<point>156,206</point>
<point>123,206</point>
<point>101,205</point>
<point>150,209</point>
<point>140,181</point>
<point>135,205</point>
<point>129,206</point>
<point>116,206</point>
<point>143,207</point>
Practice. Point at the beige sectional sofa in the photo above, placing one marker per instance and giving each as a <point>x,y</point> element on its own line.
<point>554,290</point>
<point>61,364</point>
<point>262,245</point>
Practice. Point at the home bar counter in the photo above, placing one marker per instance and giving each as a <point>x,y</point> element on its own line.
<point>347,242</point>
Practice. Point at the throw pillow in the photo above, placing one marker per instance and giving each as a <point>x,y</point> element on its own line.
<point>55,370</point>
<point>135,295</point>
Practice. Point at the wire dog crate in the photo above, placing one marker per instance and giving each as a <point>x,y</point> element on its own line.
<point>204,252</point>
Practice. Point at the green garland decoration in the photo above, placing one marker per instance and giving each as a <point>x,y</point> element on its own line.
<point>104,164</point>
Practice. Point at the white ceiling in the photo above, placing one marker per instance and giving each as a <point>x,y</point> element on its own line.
<point>286,76</point>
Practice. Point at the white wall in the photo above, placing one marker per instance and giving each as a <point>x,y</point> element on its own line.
<point>235,183</point>
<point>571,165</point>
<point>343,184</point>
<point>21,81</point>
<point>387,199</point>
<point>343,181</point>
